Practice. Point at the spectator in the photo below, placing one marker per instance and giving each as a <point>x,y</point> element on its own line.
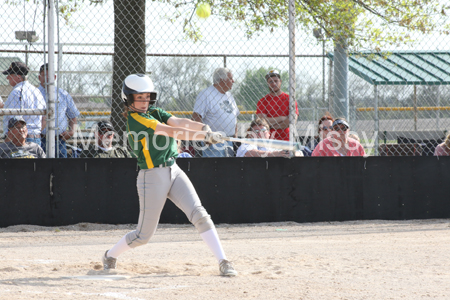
<point>181,152</point>
<point>324,128</point>
<point>354,136</point>
<point>338,143</point>
<point>25,96</point>
<point>274,107</point>
<point>65,118</point>
<point>103,147</point>
<point>215,106</point>
<point>15,145</point>
<point>443,149</point>
<point>259,129</point>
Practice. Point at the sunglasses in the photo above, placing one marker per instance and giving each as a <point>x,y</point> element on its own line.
<point>340,128</point>
<point>103,132</point>
<point>326,128</point>
<point>259,130</point>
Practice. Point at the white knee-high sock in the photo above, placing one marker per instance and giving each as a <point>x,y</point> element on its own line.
<point>119,248</point>
<point>211,238</point>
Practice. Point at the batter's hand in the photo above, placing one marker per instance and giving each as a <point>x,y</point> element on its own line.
<point>214,137</point>
<point>206,128</point>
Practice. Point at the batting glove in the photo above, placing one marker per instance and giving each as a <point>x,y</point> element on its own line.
<point>206,128</point>
<point>214,137</point>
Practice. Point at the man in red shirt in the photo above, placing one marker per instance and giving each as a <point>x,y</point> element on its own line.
<point>274,108</point>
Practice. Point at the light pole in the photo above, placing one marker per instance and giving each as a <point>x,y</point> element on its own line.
<point>30,37</point>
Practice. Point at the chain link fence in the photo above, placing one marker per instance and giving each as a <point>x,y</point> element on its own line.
<point>99,43</point>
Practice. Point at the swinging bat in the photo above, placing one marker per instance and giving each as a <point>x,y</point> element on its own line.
<point>276,144</point>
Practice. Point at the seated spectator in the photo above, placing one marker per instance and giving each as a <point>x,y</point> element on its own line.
<point>259,129</point>
<point>443,149</point>
<point>15,145</point>
<point>24,95</point>
<point>324,128</point>
<point>103,147</point>
<point>354,136</point>
<point>181,152</point>
<point>73,151</point>
<point>338,143</point>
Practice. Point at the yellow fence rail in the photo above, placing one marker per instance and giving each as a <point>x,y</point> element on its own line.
<point>107,113</point>
<point>423,108</point>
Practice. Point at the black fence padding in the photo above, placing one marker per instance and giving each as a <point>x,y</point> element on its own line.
<point>56,192</point>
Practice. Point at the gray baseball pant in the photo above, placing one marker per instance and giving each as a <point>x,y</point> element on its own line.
<point>154,187</point>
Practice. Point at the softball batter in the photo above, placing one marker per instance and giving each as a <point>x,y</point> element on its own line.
<point>151,134</point>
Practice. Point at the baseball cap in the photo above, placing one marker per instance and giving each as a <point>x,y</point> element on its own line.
<point>339,122</point>
<point>43,67</point>
<point>272,73</point>
<point>14,120</point>
<point>102,125</point>
<point>18,68</point>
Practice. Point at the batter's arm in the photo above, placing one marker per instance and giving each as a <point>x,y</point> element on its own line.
<point>185,123</point>
<point>180,133</point>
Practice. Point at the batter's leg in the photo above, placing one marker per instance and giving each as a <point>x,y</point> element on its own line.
<point>184,196</point>
<point>153,186</point>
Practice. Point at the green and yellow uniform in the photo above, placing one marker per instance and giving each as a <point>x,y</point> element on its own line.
<point>150,149</point>
<point>159,176</point>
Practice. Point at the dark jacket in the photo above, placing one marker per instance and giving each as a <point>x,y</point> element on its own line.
<point>96,152</point>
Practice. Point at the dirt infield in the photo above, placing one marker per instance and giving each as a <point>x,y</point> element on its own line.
<point>339,260</point>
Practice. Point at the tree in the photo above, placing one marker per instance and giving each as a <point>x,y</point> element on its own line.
<point>361,23</point>
<point>73,82</point>
<point>371,24</point>
<point>179,80</point>
<point>129,51</point>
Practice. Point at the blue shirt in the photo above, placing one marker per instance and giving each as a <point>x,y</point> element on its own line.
<point>184,154</point>
<point>64,106</point>
<point>26,96</point>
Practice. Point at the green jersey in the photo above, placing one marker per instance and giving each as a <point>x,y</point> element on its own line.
<point>150,149</point>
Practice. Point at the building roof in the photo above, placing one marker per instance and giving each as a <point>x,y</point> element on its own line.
<point>401,67</point>
<point>5,62</point>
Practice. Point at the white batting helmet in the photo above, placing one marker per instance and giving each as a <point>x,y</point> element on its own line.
<point>137,84</point>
